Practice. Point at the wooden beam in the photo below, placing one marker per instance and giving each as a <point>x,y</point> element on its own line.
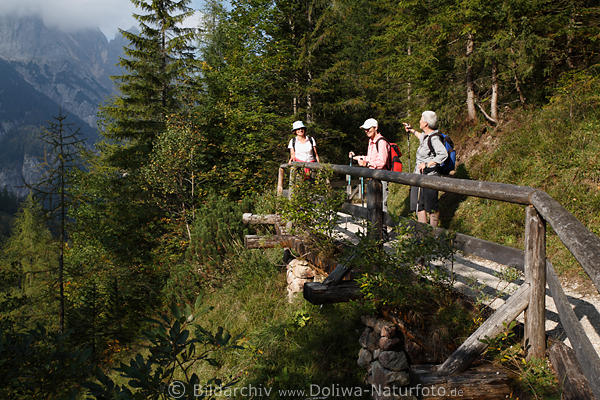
<point>483,382</point>
<point>582,243</point>
<point>535,275</point>
<point>584,350</point>
<point>267,242</point>
<point>573,383</point>
<point>258,219</point>
<point>319,293</point>
<point>467,244</point>
<point>280,177</point>
<point>487,190</point>
<point>375,209</point>
<point>462,358</point>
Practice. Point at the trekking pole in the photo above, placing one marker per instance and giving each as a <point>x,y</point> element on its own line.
<point>408,140</point>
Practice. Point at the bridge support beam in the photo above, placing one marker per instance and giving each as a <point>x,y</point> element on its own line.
<point>375,209</point>
<point>535,275</point>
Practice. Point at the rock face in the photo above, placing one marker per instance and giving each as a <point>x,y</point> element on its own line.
<point>381,354</point>
<point>44,70</point>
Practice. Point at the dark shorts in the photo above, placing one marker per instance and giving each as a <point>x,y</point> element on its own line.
<point>427,199</point>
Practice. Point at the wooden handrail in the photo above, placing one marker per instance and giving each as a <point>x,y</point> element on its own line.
<point>486,190</point>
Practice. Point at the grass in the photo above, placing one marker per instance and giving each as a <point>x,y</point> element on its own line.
<point>286,345</point>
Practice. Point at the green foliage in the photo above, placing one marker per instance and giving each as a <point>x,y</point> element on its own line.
<point>28,269</point>
<point>287,345</point>
<point>40,364</point>
<point>176,344</point>
<point>406,279</point>
<point>535,376</point>
<point>313,208</point>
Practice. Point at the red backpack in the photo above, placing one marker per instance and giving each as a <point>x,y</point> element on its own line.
<point>393,162</point>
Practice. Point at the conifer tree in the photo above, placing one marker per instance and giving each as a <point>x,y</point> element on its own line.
<point>157,63</point>
<point>28,270</point>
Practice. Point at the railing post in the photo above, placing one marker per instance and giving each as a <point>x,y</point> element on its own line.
<point>292,181</point>
<point>535,275</point>
<point>375,209</point>
<point>280,177</point>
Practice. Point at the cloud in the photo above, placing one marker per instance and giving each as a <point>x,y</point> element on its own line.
<point>71,15</point>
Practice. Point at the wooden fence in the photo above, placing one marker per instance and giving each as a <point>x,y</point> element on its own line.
<point>530,297</point>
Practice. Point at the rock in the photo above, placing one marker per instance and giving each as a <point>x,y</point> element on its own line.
<point>381,324</point>
<point>393,360</point>
<point>297,285</point>
<point>389,330</point>
<point>303,271</point>
<point>376,354</point>
<point>364,358</point>
<point>289,276</point>
<point>369,320</point>
<point>369,339</point>
<point>386,343</point>
<point>382,377</point>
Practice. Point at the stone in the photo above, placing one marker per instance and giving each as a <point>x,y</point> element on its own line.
<point>289,276</point>
<point>386,343</point>
<point>303,271</point>
<point>376,354</point>
<point>369,320</point>
<point>369,339</point>
<point>393,360</point>
<point>297,285</point>
<point>364,358</point>
<point>382,377</point>
<point>381,324</point>
<point>389,330</point>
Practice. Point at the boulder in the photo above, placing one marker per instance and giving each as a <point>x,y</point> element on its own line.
<point>393,360</point>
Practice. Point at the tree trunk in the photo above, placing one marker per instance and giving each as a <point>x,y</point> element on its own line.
<point>309,110</point>
<point>494,100</point>
<point>469,78</point>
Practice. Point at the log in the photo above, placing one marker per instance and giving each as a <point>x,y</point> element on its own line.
<point>492,327</point>
<point>319,293</point>
<point>337,275</point>
<point>582,243</point>
<point>573,383</point>
<point>260,219</point>
<point>584,350</point>
<point>483,382</point>
<point>535,275</point>
<point>375,209</point>
<point>266,242</point>
<point>467,244</point>
<point>280,177</point>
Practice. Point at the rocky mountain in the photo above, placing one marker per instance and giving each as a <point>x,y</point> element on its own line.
<point>44,70</point>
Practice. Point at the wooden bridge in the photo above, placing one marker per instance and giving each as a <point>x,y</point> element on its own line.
<point>540,209</point>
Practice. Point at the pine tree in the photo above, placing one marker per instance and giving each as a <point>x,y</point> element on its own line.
<point>158,61</point>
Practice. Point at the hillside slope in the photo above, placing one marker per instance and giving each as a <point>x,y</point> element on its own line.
<point>555,148</point>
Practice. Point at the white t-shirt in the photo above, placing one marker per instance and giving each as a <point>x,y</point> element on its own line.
<point>303,151</point>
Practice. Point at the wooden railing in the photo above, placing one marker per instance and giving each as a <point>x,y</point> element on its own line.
<point>540,209</point>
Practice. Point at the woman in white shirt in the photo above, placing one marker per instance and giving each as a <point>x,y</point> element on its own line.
<point>302,147</point>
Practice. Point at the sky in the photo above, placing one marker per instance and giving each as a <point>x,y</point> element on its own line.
<point>69,15</point>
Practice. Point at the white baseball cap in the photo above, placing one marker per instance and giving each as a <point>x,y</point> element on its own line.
<point>371,122</point>
<point>298,125</point>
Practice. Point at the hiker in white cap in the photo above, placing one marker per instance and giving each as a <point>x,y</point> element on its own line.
<point>378,153</point>
<point>379,148</point>
<point>303,148</point>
